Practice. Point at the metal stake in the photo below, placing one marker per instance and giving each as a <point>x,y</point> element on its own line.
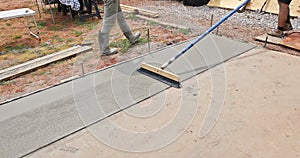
<point>266,41</point>
<point>148,34</point>
<point>211,20</point>
<point>82,69</point>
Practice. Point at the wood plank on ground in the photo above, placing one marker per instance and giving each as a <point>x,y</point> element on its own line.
<point>270,39</point>
<point>228,4</point>
<point>164,23</point>
<point>36,63</point>
<point>292,40</point>
<point>135,10</point>
<point>270,7</point>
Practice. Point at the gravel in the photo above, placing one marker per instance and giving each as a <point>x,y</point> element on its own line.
<point>190,16</point>
<point>241,26</point>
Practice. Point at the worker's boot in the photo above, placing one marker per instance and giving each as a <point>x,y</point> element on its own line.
<point>132,38</point>
<point>288,27</point>
<point>276,33</point>
<point>103,39</point>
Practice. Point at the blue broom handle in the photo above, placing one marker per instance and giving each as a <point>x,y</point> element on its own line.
<point>204,34</point>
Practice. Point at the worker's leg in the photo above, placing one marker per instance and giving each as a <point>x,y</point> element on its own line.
<point>288,26</point>
<point>125,28</point>
<point>110,16</point>
<point>283,19</point>
<point>282,15</point>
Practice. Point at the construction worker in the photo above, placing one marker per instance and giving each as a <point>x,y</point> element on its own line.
<point>284,23</point>
<point>113,13</point>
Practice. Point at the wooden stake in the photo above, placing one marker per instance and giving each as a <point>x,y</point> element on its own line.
<point>82,69</point>
<point>148,34</point>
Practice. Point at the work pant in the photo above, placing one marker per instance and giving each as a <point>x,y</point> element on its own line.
<point>113,13</point>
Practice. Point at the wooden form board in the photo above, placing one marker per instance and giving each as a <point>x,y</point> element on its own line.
<point>33,64</point>
<point>140,11</point>
<point>270,7</point>
<point>292,40</point>
<point>269,39</point>
<point>164,23</point>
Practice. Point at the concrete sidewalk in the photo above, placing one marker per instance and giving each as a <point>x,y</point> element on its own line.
<point>254,111</point>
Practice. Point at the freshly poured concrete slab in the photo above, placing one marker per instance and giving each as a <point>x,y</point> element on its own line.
<point>260,117</point>
<point>31,122</point>
<point>121,86</point>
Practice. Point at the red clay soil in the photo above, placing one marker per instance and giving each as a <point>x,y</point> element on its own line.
<point>14,32</point>
<point>64,28</point>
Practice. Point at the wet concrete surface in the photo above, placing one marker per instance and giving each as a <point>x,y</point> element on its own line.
<point>257,116</point>
<point>31,122</point>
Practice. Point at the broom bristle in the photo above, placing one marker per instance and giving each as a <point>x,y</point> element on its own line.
<point>160,74</point>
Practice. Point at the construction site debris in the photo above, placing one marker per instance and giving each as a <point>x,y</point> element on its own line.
<point>33,64</point>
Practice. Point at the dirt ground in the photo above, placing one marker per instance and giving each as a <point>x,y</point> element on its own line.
<point>16,45</point>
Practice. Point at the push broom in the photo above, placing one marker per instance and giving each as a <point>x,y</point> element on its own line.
<point>172,79</point>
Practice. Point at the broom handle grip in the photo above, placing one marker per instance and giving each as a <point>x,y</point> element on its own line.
<point>204,34</point>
